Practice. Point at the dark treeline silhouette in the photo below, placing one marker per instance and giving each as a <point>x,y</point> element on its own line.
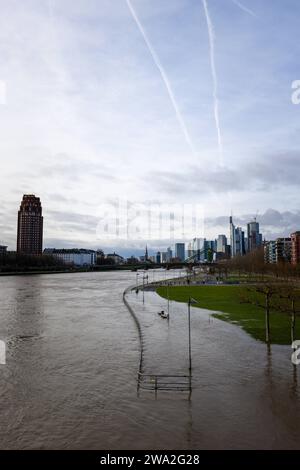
<point>14,262</point>
<point>253,265</point>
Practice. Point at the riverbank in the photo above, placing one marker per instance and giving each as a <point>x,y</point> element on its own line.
<point>104,268</point>
<point>228,304</point>
<point>29,273</point>
<point>96,268</point>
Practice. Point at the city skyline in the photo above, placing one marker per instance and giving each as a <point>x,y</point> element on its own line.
<point>87,116</point>
<point>30,237</point>
<point>243,241</point>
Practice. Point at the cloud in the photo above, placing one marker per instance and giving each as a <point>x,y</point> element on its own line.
<point>87,117</point>
<point>72,217</point>
<point>195,180</point>
<point>262,173</point>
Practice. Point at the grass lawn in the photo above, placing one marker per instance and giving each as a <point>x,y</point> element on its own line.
<point>228,300</point>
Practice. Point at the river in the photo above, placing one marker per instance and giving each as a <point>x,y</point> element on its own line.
<point>72,362</point>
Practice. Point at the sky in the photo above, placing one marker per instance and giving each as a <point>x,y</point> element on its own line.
<point>111,110</point>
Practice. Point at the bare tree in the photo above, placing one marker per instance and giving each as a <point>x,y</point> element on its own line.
<point>268,291</point>
<point>292,295</point>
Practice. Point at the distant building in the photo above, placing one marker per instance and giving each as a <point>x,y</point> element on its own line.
<point>295,252</point>
<point>253,236</point>
<point>221,244</point>
<point>237,240</point>
<point>169,255</point>
<point>3,251</point>
<point>278,251</point>
<point>30,226</point>
<point>132,260</point>
<point>209,249</point>
<point>180,251</point>
<point>270,252</point>
<point>232,237</point>
<point>190,250</point>
<point>158,257</point>
<point>283,249</point>
<point>118,259</point>
<point>75,256</point>
<point>99,257</point>
<point>196,249</point>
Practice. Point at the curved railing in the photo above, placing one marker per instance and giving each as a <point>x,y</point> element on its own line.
<point>155,381</point>
<point>138,325</point>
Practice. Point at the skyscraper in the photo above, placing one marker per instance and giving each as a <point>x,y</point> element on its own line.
<point>254,237</point>
<point>198,248</point>
<point>180,251</point>
<point>237,240</point>
<point>232,237</point>
<point>221,244</point>
<point>169,254</point>
<point>30,226</point>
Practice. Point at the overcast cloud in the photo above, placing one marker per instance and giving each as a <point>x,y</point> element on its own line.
<point>87,118</point>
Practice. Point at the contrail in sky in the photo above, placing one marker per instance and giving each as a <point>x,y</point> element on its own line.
<point>245,9</point>
<point>50,9</point>
<point>163,76</point>
<point>211,37</point>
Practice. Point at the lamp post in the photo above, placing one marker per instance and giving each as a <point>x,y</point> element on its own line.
<point>144,277</point>
<point>190,346</point>
<point>190,302</point>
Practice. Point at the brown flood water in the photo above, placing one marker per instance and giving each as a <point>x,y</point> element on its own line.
<point>72,361</point>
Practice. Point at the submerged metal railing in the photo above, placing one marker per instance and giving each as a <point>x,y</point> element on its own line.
<point>155,382</point>
<point>166,382</point>
<point>130,309</point>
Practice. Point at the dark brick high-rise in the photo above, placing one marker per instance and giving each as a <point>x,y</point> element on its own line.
<point>30,226</point>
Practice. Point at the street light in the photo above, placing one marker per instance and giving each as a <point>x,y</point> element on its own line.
<point>137,274</point>
<point>190,302</point>
<point>144,277</point>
